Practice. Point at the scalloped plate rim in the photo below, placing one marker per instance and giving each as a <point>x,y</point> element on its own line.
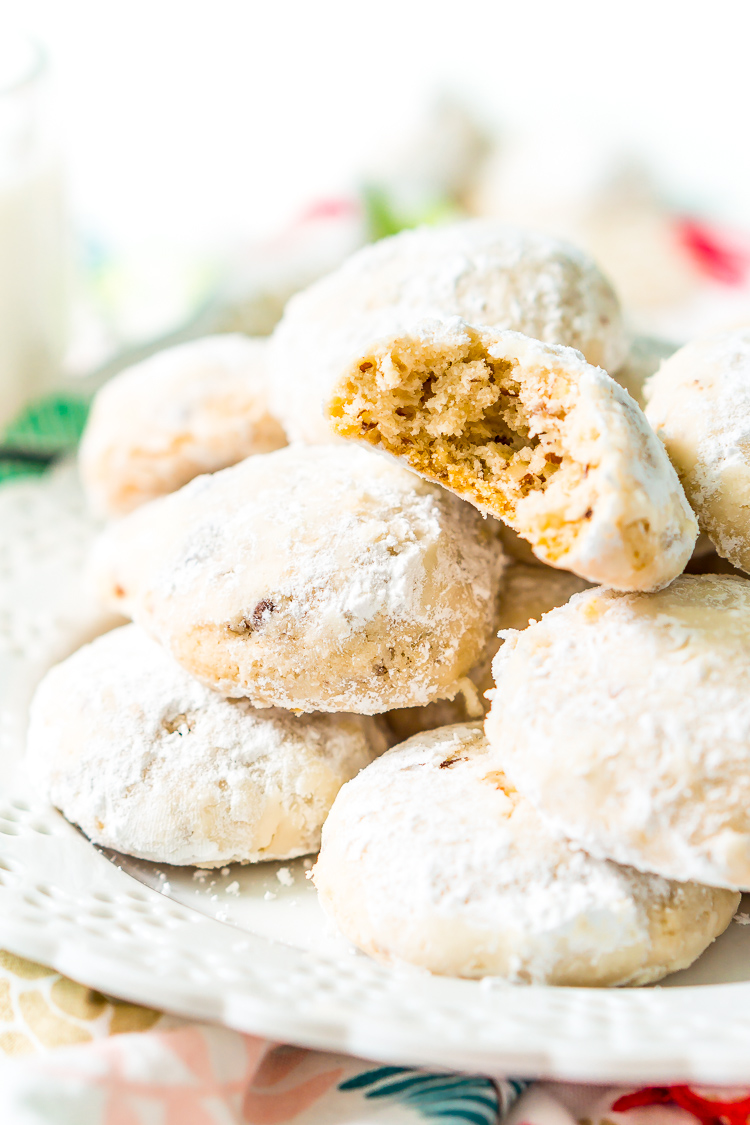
<point>352,1005</point>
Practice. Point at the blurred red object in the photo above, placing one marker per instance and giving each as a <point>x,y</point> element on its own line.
<point>717,254</point>
<point>709,1110</point>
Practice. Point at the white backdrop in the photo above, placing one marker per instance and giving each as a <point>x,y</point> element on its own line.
<point>192,121</point>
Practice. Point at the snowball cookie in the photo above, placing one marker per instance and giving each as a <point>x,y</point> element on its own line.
<point>646,354</point>
<point>699,405</point>
<point>483,271</point>
<point>430,856</point>
<point>626,720</point>
<point>190,409</point>
<point>315,578</point>
<point>527,592</point>
<point>532,434</point>
<point>148,761</point>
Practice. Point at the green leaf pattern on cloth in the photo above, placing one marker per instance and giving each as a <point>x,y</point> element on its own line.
<point>42,432</point>
<point>454,1099</point>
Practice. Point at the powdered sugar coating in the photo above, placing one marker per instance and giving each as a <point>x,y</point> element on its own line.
<point>699,405</point>
<point>644,357</point>
<point>429,856</point>
<point>642,531</point>
<point>150,762</point>
<point>190,409</point>
<point>625,719</point>
<point>483,271</point>
<point>319,579</point>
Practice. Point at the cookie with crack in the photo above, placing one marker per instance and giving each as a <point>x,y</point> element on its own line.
<point>625,719</point>
<point>526,593</point>
<point>148,761</point>
<point>318,578</point>
<point>429,856</point>
<point>699,404</point>
<point>532,434</point>
<point>483,271</point>
<point>190,409</point>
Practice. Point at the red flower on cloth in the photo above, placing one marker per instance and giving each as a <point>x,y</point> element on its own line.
<point>708,1106</point>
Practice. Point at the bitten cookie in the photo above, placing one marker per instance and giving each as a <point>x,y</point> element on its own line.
<point>483,271</point>
<point>430,856</point>
<point>699,405</point>
<point>532,434</point>
<point>527,592</point>
<point>315,578</point>
<point>625,719</point>
<point>148,761</point>
<point>188,410</point>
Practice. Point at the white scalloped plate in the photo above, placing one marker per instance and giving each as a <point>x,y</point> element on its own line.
<point>249,947</point>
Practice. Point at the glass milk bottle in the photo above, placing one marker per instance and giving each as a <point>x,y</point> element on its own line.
<point>33,244</point>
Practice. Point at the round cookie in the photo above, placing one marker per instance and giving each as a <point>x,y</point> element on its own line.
<point>699,405</point>
<point>483,271</point>
<point>625,719</point>
<point>529,433</point>
<point>430,856</point>
<point>643,359</point>
<point>187,410</point>
<point>150,762</point>
<point>316,578</point>
<point>527,592</point>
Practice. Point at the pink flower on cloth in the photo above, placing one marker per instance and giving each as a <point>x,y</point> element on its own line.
<point>272,1099</point>
<point>195,1075</point>
<point>195,1083</point>
<point>203,1075</point>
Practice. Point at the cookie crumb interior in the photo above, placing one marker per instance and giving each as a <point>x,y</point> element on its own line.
<point>483,427</point>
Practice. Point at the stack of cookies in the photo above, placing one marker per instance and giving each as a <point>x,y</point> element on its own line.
<point>463,463</point>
